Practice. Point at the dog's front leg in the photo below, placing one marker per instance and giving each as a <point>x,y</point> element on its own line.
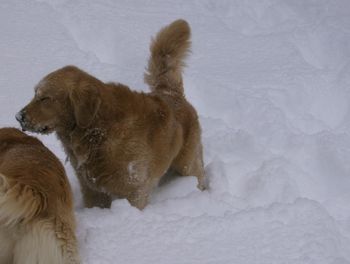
<point>91,197</point>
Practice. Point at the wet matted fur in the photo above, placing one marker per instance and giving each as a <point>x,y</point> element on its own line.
<point>121,142</point>
<point>37,223</point>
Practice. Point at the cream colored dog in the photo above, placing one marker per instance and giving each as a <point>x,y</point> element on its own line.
<point>37,223</point>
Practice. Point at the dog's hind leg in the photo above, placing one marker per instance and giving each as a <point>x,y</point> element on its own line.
<point>6,245</point>
<point>190,163</point>
<point>140,197</point>
<point>41,244</point>
<point>38,245</point>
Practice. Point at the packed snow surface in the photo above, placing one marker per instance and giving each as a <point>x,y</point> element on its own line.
<point>271,82</point>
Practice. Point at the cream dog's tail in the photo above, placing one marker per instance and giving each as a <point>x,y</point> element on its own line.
<point>168,52</point>
<point>41,240</point>
<point>18,202</point>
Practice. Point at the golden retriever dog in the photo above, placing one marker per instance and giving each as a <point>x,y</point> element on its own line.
<point>121,142</point>
<point>37,223</point>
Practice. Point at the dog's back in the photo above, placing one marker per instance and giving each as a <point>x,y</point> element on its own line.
<point>36,209</point>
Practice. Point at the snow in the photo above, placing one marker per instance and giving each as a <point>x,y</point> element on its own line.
<point>271,82</point>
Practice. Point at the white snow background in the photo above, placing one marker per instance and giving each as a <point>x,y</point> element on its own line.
<point>270,80</point>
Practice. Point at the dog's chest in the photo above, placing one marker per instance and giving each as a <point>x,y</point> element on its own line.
<point>86,144</point>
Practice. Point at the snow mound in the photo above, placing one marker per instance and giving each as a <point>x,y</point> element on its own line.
<point>271,82</point>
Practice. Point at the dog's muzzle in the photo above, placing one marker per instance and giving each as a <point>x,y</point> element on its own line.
<point>20,117</point>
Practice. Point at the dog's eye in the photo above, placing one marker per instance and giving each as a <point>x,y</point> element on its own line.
<point>44,99</point>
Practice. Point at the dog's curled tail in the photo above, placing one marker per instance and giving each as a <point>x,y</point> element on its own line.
<point>18,202</point>
<point>168,52</point>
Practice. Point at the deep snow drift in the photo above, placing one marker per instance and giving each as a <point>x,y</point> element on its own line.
<point>271,82</point>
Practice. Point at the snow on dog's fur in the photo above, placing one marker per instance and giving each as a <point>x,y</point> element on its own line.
<point>37,223</point>
<point>107,129</point>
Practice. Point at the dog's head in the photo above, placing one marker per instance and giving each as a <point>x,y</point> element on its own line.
<point>65,98</point>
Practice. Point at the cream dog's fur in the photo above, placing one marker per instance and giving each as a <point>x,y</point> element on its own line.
<point>37,223</point>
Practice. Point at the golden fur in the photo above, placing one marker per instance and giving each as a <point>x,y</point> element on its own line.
<point>37,223</point>
<point>121,142</point>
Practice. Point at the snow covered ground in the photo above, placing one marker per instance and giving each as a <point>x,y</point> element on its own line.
<point>271,82</point>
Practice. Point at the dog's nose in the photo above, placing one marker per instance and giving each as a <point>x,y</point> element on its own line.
<point>20,116</point>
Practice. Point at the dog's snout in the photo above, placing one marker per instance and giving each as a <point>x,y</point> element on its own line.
<point>20,116</point>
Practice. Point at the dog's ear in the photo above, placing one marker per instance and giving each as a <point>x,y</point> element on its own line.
<point>86,102</point>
